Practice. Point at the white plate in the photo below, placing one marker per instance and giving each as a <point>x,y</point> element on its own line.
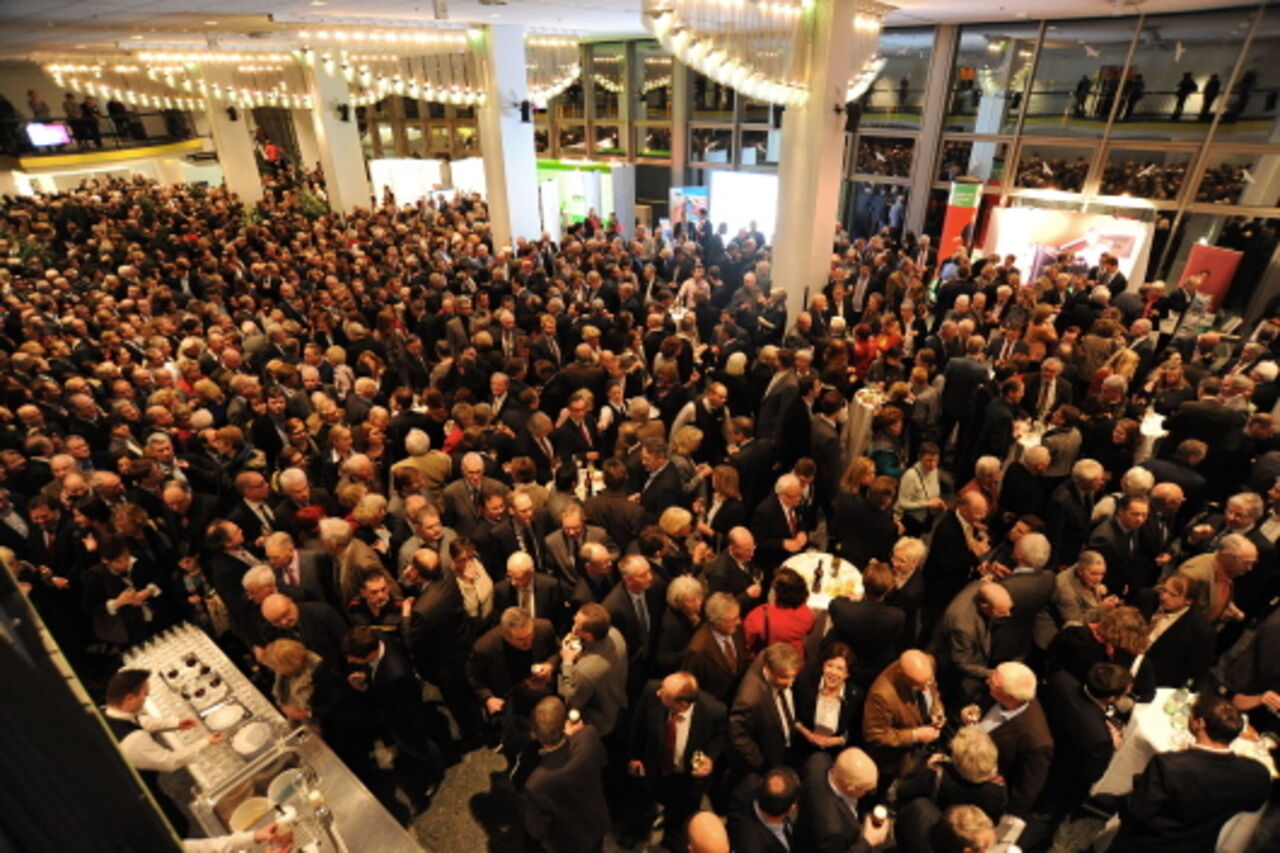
<point>251,738</point>
<point>249,813</point>
<point>225,717</point>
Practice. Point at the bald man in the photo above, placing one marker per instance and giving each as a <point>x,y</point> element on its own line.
<point>313,623</point>
<point>835,812</point>
<point>962,639</point>
<point>707,834</point>
<point>901,706</point>
<point>959,541</point>
<point>666,765</point>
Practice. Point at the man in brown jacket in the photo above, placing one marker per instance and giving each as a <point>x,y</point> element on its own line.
<point>902,707</point>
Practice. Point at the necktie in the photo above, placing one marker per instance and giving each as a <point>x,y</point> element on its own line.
<point>1043,402</point>
<point>586,433</point>
<point>475,498</point>
<point>788,716</point>
<point>669,744</point>
<point>730,653</point>
<point>788,831</point>
<point>792,522</point>
<point>265,515</point>
<point>922,703</point>
<point>642,613</point>
<point>526,601</point>
<point>292,576</point>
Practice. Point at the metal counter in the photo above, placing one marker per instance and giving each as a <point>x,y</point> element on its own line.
<point>333,806</point>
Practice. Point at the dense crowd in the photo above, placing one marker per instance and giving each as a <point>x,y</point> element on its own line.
<point>1052,173</point>
<point>891,157</point>
<point>567,485</point>
<point>1143,179</point>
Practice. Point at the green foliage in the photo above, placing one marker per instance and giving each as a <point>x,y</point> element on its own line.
<point>311,206</point>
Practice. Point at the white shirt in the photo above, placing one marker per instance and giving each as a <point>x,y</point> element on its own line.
<point>826,714</point>
<point>1162,622</point>
<point>144,752</point>
<point>1270,529</point>
<point>780,697</point>
<point>998,716</point>
<point>683,722</point>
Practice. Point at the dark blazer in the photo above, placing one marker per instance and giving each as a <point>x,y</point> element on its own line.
<point>673,638</point>
<point>1184,651</point>
<point>249,522</point>
<point>873,629</point>
<point>755,464</point>
<point>565,808</point>
<point>828,452</point>
<point>805,694</point>
<point>319,628</point>
<point>1031,593</point>
<point>864,532</point>
<point>439,634</point>
<point>226,574</point>
<point>640,644</point>
<point>548,600</point>
<point>946,787</point>
<point>489,669</point>
<point>769,524</point>
<point>1025,748</point>
<point>950,563</point>
<point>962,378</point>
<point>705,659</point>
<point>1181,801</point>
<point>1068,523</point>
<point>649,723</point>
<point>1063,393</point>
<point>187,531</point>
<point>1128,568</point>
<point>755,724</point>
<point>662,491</point>
<point>286,510</point>
<point>1021,492</point>
<point>1077,721</point>
<point>747,833</point>
<point>723,575</point>
<point>620,517</point>
<point>569,441</point>
<point>826,823</point>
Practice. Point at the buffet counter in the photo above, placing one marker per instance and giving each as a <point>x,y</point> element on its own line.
<point>264,770</point>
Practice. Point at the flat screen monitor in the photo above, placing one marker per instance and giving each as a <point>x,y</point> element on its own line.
<point>45,134</point>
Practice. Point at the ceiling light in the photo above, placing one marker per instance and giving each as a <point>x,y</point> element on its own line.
<point>210,23</point>
<point>136,38</point>
<point>318,3</point>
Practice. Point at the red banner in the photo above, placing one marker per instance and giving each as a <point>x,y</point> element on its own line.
<point>1218,268</point>
<point>962,214</point>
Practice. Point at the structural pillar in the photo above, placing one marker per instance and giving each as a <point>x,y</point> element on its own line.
<point>510,158</point>
<point>337,137</point>
<point>937,86</point>
<point>232,140</point>
<point>843,35</point>
<point>304,130</point>
<point>680,99</point>
<point>169,171</point>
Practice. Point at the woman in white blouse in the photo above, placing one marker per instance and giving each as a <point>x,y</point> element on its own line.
<point>473,580</point>
<point>828,704</point>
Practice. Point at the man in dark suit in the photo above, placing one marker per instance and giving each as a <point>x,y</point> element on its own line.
<point>1070,511</point>
<point>962,639</point>
<point>1047,390</point>
<point>1030,585</point>
<point>565,547</point>
<point>673,723</point>
<point>1014,718</point>
<point>225,564</point>
<point>872,628</point>
<point>380,674</point>
<point>717,651</point>
<point>1119,540</point>
<point>662,486</point>
<point>523,530</point>
<point>779,526</point>
<point>753,460</point>
<point>828,450</point>
<point>299,494</point>
<point>252,512</point>
<point>1079,717</point>
<point>1204,419</point>
<point>763,813</point>
<point>565,807</point>
<point>762,718</point>
<point>514,655</point>
<point>578,436</point>
<point>735,572</point>
<point>958,541</point>
<point>439,637</point>
<point>835,815</point>
<point>1182,799</point>
<point>534,440</point>
<point>1180,469</point>
<point>612,509</point>
<point>313,623</point>
<point>303,575</point>
<point>536,594</point>
<point>635,607</point>
<point>962,377</point>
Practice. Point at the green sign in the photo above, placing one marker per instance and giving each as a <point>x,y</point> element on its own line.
<point>965,194</point>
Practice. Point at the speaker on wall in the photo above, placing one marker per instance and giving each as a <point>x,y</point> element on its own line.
<point>852,115</point>
<point>775,116</point>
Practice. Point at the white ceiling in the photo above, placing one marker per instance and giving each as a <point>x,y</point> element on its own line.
<point>64,26</point>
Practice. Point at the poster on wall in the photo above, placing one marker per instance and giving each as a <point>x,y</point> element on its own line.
<point>689,204</point>
<point>1217,266</point>
<point>1036,236</point>
<point>962,211</point>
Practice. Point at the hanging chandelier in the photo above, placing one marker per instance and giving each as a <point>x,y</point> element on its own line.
<point>554,64</point>
<point>760,49</point>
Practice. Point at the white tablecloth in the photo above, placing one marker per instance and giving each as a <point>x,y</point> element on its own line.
<point>847,581</point>
<point>1150,731</point>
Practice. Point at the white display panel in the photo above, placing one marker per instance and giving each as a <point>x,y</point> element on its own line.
<point>468,175</point>
<point>739,198</point>
<point>410,179</point>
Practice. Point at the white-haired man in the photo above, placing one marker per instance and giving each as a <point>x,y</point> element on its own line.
<point>1014,718</point>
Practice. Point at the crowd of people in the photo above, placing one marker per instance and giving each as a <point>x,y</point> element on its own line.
<point>890,157</point>
<point>1052,173</point>
<point>560,482</point>
<point>1144,179</point>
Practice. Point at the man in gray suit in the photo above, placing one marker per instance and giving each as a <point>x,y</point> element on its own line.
<point>564,547</point>
<point>962,377</point>
<point>593,669</point>
<point>464,499</point>
<point>962,640</point>
<point>1031,588</point>
<point>828,450</point>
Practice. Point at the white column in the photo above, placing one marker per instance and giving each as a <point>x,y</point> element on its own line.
<point>169,171</point>
<point>232,141</point>
<point>809,176</point>
<point>937,84</point>
<point>304,130</point>
<point>346,179</point>
<point>510,159</point>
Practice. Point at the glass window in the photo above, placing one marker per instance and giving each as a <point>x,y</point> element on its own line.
<point>761,147</point>
<point>711,101</point>
<point>653,74</point>
<point>573,140</point>
<point>438,138</point>
<point>896,97</point>
<point>710,145</point>
<point>935,213</point>
<point>1052,167</point>
<point>755,112</point>
<point>570,102</point>
<point>608,76</point>
<point>1241,178</point>
<point>1156,175</point>
<point>468,140</point>
<point>653,141</point>
<point>410,107</point>
<point>1078,77</point>
<point>1176,57</point>
<point>877,155</point>
<point>413,138</point>
<point>1250,108</point>
<point>992,64</point>
<point>541,140</point>
<point>976,158</point>
<point>870,207</point>
<point>609,141</point>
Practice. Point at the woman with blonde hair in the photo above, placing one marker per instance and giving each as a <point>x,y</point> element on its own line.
<point>967,777</point>
<point>684,444</point>
<point>295,683</point>
<point>1120,636</point>
<point>685,551</point>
